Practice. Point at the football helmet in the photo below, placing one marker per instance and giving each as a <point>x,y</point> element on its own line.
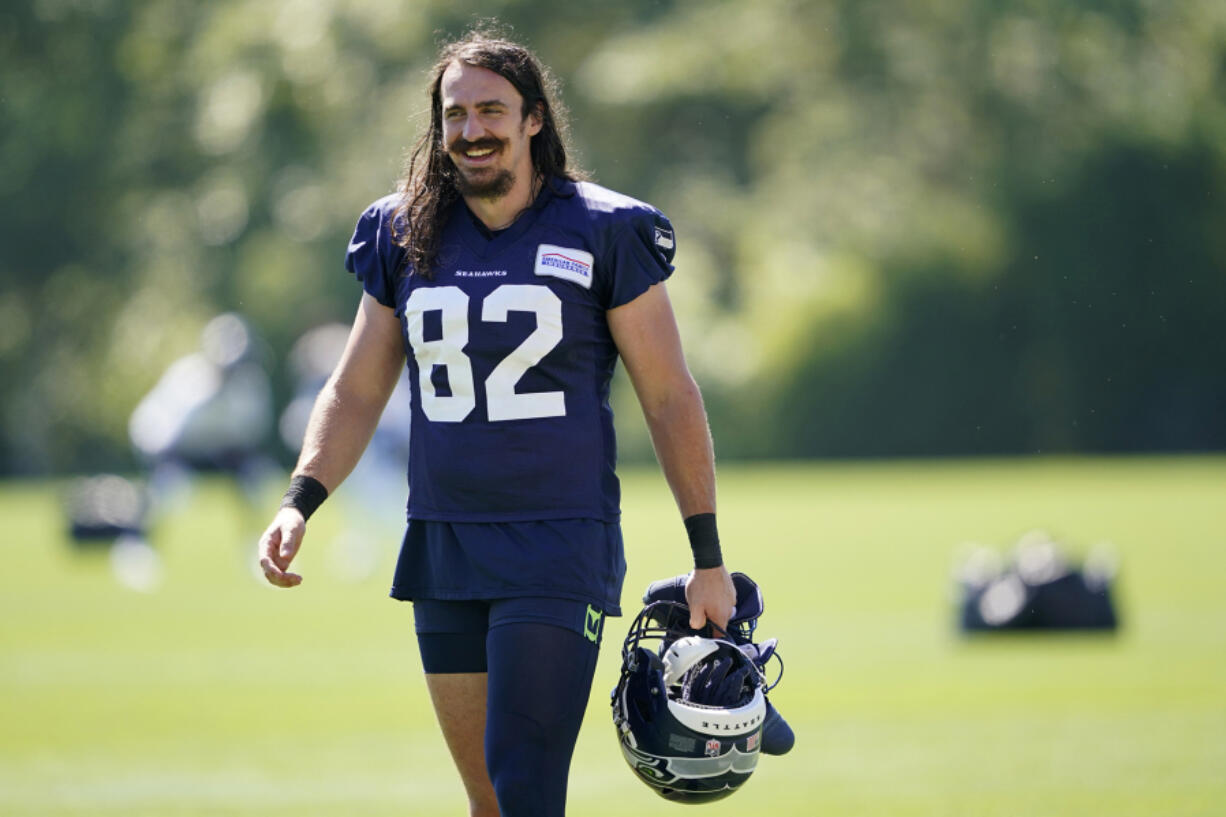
<point>688,709</point>
<point>777,735</point>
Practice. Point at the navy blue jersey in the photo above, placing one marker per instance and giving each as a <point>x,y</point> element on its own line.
<point>509,351</point>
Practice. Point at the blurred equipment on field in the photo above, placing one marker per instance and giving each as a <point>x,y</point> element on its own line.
<point>102,508</point>
<point>1037,588</point>
<point>110,511</point>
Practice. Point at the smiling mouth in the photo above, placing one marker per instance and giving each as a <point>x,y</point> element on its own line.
<point>476,153</point>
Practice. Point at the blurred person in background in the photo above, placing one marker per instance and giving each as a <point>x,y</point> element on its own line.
<point>211,411</point>
<point>513,286</point>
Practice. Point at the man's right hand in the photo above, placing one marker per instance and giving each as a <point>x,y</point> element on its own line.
<point>279,545</point>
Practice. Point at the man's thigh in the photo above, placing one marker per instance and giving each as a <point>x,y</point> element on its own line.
<point>451,638</point>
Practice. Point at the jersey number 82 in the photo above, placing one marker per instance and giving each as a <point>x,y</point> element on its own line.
<point>502,401</point>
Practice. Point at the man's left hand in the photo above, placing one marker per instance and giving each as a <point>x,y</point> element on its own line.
<point>711,597</point>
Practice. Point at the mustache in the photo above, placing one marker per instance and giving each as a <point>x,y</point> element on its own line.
<point>461,145</point>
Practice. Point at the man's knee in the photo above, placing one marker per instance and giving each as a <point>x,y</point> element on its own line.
<point>483,808</point>
<point>527,783</point>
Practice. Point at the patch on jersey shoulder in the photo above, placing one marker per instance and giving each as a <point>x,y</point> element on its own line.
<point>664,239</point>
<point>566,263</point>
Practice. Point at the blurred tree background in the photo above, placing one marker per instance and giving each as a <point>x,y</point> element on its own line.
<point>905,228</point>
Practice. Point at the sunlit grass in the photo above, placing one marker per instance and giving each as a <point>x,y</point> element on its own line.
<point>214,695</point>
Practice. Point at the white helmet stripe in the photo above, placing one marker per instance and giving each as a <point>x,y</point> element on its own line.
<point>719,722</point>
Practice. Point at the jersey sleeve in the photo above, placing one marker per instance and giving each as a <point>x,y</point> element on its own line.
<point>372,257</point>
<point>640,254</point>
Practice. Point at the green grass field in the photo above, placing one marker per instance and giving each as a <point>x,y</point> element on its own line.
<point>214,695</point>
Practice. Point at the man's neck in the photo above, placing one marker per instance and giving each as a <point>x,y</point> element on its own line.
<point>500,213</point>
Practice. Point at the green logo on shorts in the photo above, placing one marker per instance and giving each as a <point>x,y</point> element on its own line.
<point>591,627</point>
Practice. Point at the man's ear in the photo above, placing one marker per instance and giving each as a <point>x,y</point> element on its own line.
<point>535,119</point>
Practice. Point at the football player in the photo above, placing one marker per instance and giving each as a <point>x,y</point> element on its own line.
<point>511,286</point>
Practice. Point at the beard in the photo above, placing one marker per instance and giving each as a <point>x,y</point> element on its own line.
<point>489,184</point>
<point>483,183</point>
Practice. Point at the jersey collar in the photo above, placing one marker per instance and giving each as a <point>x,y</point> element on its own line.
<point>486,242</point>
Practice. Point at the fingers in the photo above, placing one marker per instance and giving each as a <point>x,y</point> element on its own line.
<point>283,555</point>
<point>711,598</point>
<point>699,616</point>
<point>278,547</point>
<point>278,577</point>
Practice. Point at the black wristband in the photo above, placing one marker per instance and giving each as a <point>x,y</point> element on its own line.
<point>305,494</point>
<point>704,540</point>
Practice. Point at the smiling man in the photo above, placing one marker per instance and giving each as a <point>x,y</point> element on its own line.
<point>514,286</point>
<point>487,137</point>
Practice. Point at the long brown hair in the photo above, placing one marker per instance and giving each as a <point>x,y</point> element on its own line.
<point>429,186</point>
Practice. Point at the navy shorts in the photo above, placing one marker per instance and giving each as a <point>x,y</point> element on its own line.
<point>578,559</point>
<point>451,634</point>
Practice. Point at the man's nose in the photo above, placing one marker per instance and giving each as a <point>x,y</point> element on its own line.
<point>473,128</point>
